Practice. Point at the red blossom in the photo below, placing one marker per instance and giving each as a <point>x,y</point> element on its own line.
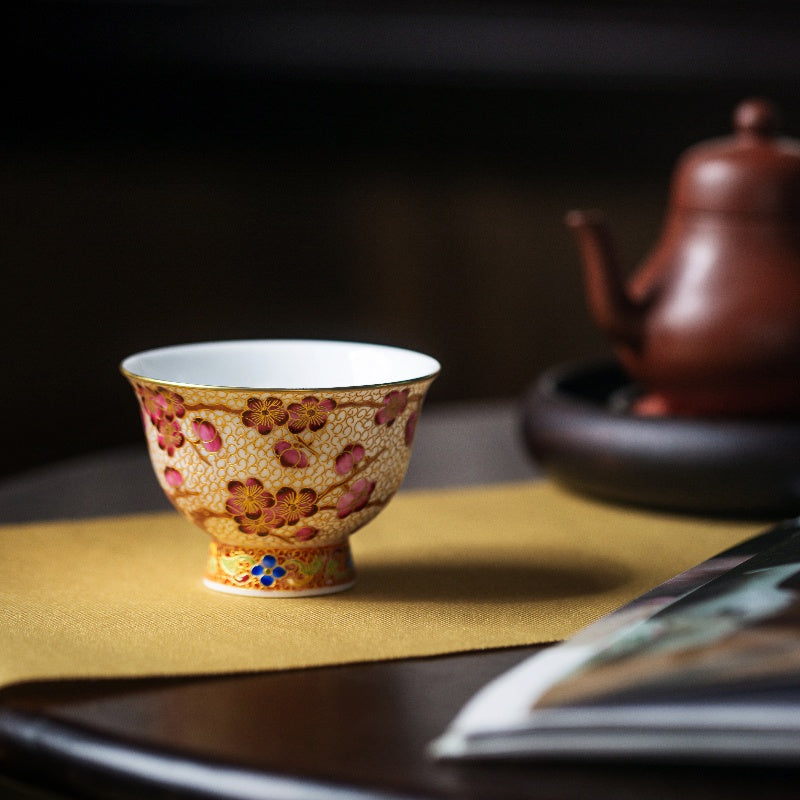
<point>394,404</point>
<point>249,499</point>
<point>264,415</point>
<point>310,413</point>
<point>291,506</point>
<point>260,526</point>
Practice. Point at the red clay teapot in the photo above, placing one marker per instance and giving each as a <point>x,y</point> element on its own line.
<point>709,324</point>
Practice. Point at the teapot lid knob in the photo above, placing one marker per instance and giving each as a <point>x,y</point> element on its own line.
<point>755,172</point>
<point>756,117</point>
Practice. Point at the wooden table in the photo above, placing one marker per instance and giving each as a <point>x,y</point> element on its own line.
<point>353,731</point>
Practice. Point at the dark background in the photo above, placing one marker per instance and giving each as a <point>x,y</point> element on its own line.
<point>388,172</point>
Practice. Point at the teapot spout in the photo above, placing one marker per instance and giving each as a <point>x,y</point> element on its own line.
<point>611,306</point>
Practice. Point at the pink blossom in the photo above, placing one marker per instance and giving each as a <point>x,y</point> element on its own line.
<point>291,456</point>
<point>169,436</point>
<point>207,434</point>
<point>355,498</point>
<point>171,403</point>
<point>411,428</point>
<point>151,405</point>
<point>394,404</point>
<point>173,477</point>
<point>305,534</point>
<point>348,458</point>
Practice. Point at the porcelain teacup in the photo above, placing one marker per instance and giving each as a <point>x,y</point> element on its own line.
<point>279,450</point>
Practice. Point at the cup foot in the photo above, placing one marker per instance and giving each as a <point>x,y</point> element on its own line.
<point>279,572</point>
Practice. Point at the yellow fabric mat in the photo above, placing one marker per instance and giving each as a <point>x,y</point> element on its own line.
<point>438,572</point>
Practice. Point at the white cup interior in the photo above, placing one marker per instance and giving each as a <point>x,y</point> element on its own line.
<point>280,364</point>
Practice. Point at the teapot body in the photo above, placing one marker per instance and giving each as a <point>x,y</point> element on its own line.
<point>720,329</point>
<point>709,323</point>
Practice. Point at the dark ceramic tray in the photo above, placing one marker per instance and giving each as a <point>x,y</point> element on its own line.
<point>577,428</point>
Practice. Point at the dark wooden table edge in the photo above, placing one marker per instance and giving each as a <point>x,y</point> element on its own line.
<point>97,763</point>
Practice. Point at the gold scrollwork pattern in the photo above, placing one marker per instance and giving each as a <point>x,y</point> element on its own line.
<point>267,470</point>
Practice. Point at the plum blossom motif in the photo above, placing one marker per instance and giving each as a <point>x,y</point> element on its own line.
<point>264,415</point>
<point>171,404</point>
<point>161,404</point>
<point>173,477</point>
<point>310,413</point>
<point>268,570</point>
<point>261,526</point>
<point>207,434</point>
<point>355,498</point>
<point>305,533</point>
<point>411,428</point>
<point>348,458</point>
<point>290,455</point>
<point>249,500</point>
<point>151,405</point>
<point>291,506</point>
<point>394,404</point>
<point>169,436</point>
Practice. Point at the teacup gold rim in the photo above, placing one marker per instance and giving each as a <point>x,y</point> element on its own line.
<point>278,389</point>
<point>134,376</point>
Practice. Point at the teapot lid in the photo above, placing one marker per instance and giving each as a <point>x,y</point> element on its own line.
<point>754,172</point>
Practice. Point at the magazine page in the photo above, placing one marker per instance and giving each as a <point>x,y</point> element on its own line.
<point>711,650</point>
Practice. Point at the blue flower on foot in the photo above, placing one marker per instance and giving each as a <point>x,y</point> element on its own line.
<point>268,570</point>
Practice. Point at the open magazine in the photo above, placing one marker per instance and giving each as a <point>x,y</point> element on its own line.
<point>706,666</point>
